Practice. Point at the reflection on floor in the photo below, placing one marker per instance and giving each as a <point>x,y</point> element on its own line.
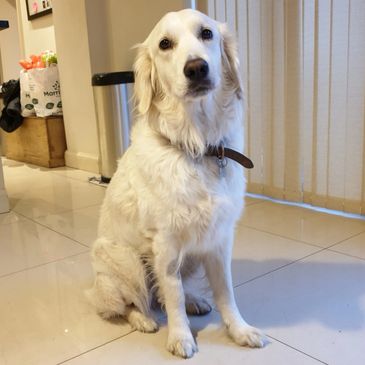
<point>298,275</point>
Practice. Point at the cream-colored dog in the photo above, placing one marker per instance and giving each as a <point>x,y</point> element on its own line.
<point>170,208</point>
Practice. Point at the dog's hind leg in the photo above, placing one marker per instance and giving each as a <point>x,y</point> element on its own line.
<point>120,284</point>
<point>106,297</point>
<point>139,321</point>
<point>109,303</point>
<point>195,305</point>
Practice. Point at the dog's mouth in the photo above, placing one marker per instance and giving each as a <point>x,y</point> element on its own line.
<point>199,89</point>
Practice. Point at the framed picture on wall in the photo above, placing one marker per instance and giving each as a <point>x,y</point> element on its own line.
<point>37,8</point>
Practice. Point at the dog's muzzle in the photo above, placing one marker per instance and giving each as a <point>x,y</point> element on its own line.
<point>197,72</point>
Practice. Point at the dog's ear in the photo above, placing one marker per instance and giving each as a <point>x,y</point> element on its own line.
<point>230,60</point>
<point>144,83</point>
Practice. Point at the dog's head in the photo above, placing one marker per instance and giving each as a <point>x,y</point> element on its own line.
<point>187,55</point>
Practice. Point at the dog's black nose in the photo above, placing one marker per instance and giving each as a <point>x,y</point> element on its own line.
<point>196,70</point>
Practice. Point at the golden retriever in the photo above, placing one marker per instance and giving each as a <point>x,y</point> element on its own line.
<point>171,207</point>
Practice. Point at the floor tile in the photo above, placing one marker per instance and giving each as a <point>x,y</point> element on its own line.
<point>11,217</point>
<point>35,191</point>
<point>250,201</point>
<point>354,246</point>
<point>301,224</point>
<point>215,348</point>
<point>26,244</point>
<point>256,253</point>
<point>45,318</point>
<point>316,305</point>
<point>309,300</point>
<point>73,173</point>
<point>61,196</point>
<point>20,183</point>
<point>79,224</point>
<point>9,164</point>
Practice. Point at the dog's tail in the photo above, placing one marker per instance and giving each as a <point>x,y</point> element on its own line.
<point>120,279</point>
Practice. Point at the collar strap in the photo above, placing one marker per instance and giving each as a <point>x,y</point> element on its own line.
<point>221,152</point>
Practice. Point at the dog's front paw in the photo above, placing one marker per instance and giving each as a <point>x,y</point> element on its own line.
<point>182,345</point>
<point>248,336</point>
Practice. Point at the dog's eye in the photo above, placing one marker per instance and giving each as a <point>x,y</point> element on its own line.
<point>206,34</point>
<point>165,44</point>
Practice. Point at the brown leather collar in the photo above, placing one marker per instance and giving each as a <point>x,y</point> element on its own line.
<point>221,152</point>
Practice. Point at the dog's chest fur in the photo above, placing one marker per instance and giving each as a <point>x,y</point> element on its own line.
<point>189,199</point>
<point>161,188</point>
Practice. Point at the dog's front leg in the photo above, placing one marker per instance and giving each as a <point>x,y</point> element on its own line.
<point>167,268</point>
<point>218,270</point>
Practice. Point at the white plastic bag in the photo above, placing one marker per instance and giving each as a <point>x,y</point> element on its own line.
<point>46,94</point>
<point>40,92</point>
<point>26,92</point>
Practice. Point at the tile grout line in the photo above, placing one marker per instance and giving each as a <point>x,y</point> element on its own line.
<point>330,248</point>
<point>55,213</point>
<point>132,331</point>
<point>298,350</point>
<point>278,268</point>
<point>296,239</point>
<point>279,235</point>
<point>44,264</point>
<point>346,254</point>
<point>300,259</point>
<point>95,348</point>
<point>53,230</point>
<point>65,211</point>
<point>72,178</point>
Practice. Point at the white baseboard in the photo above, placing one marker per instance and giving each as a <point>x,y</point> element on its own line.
<point>4,202</point>
<point>82,161</point>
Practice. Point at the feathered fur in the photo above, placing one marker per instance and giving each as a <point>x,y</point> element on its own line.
<point>168,209</point>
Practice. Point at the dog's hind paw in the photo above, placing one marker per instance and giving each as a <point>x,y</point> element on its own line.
<point>141,323</point>
<point>183,346</point>
<point>248,336</point>
<point>196,306</point>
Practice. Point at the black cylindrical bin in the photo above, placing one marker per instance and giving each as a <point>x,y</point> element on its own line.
<point>112,94</point>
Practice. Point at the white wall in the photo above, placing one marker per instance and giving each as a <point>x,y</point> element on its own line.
<point>36,35</point>
<point>130,22</point>
<point>115,26</point>
<point>96,37</point>
<point>9,42</point>
<point>91,36</point>
<point>75,76</point>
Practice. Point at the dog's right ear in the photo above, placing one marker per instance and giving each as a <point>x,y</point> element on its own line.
<point>144,85</point>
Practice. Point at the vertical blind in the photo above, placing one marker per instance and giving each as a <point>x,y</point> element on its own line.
<point>303,66</point>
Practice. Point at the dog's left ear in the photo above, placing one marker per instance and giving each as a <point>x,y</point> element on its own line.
<point>230,60</point>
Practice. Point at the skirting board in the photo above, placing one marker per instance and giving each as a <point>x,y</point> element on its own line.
<point>4,202</point>
<point>82,161</point>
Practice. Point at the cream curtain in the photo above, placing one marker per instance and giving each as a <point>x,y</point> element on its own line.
<point>303,65</point>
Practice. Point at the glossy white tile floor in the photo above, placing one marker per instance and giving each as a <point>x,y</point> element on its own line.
<point>298,274</point>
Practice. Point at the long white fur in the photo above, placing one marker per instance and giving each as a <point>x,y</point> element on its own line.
<point>167,206</point>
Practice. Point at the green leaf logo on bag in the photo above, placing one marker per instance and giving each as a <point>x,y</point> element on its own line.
<point>55,92</point>
<point>59,104</point>
<point>35,101</point>
<point>49,105</point>
<point>29,106</point>
<point>56,86</point>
